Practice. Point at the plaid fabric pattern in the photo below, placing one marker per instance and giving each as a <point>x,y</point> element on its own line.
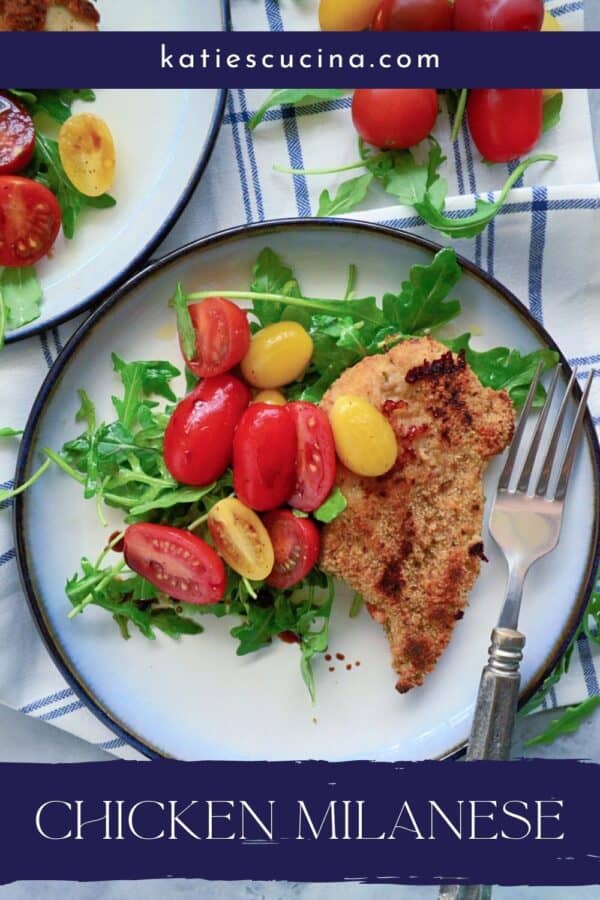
<point>543,246</point>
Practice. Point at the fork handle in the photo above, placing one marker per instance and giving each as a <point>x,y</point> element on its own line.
<point>496,706</point>
<point>493,723</point>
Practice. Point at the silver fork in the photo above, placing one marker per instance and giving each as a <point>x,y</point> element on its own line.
<point>525,523</point>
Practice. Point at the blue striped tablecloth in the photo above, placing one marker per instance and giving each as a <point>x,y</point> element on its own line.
<point>543,246</point>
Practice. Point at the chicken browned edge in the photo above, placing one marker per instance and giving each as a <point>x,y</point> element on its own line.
<point>410,541</point>
<point>48,15</point>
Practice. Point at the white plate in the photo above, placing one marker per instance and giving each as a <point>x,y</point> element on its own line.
<point>158,15</point>
<point>195,699</point>
<point>163,140</point>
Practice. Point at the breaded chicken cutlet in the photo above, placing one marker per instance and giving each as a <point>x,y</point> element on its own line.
<point>48,15</point>
<point>410,541</point>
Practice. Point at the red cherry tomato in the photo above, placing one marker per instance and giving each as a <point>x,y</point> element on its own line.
<point>176,562</point>
<point>30,219</point>
<point>296,543</point>
<point>413,15</point>
<point>394,119</point>
<point>17,136</point>
<point>498,15</point>
<point>505,124</point>
<point>264,456</point>
<point>222,336</point>
<point>315,457</point>
<point>199,436</point>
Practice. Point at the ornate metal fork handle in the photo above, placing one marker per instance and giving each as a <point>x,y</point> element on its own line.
<point>496,705</point>
<point>525,523</point>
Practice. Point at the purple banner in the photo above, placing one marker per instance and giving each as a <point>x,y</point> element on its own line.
<point>300,59</point>
<point>523,822</point>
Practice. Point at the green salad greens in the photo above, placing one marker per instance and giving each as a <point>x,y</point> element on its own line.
<point>20,289</point>
<point>120,464</point>
<point>413,177</point>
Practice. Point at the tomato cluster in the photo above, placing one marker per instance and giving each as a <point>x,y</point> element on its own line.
<point>504,124</point>
<point>282,454</point>
<point>30,214</point>
<point>431,15</point>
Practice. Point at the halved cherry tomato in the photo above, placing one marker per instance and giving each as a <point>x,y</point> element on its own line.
<point>222,336</point>
<point>17,136</point>
<point>498,15</point>
<point>241,539</point>
<point>297,544</point>
<point>199,436</point>
<point>315,457</point>
<point>413,15</point>
<point>505,124</point>
<point>394,118</point>
<point>176,562</point>
<point>87,152</point>
<point>264,456</point>
<point>30,219</point>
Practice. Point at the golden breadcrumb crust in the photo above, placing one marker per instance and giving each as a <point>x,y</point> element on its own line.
<point>48,15</point>
<point>410,541</point>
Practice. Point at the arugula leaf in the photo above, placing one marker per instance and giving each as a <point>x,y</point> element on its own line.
<point>567,723</point>
<point>27,98</point>
<point>349,194</point>
<point>485,211</point>
<point>590,624</point>
<point>131,600</point>
<point>358,601</point>
<point>296,97</point>
<point>457,106</point>
<point>399,174</point>
<point>172,497</point>
<point>47,168</point>
<point>257,630</point>
<point>185,328</point>
<point>421,306</point>
<point>410,181</point>
<point>20,296</point>
<point>55,103</point>
<point>552,110</point>
<point>87,411</point>
<point>141,380</point>
<point>504,369</point>
<point>316,639</point>
<point>191,381</point>
<point>10,432</point>
<point>271,276</point>
<point>173,624</point>
<point>333,507</point>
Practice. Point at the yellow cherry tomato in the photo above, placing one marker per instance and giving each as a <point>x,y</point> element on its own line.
<point>275,398</point>
<point>364,439</point>
<point>87,152</point>
<point>241,539</point>
<point>278,354</point>
<point>550,24</point>
<point>346,15</point>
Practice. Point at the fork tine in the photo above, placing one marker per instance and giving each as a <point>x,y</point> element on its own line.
<point>546,473</point>
<point>537,435</point>
<point>571,451</point>
<point>516,441</point>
